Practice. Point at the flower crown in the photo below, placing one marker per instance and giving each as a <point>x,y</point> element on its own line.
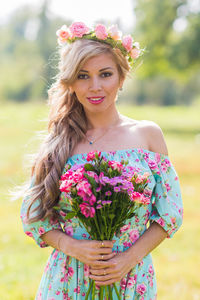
<point>111,36</point>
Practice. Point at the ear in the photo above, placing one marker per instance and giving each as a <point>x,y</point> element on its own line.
<point>121,82</point>
<point>71,90</point>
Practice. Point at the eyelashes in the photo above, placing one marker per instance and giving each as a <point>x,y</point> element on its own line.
<point>103,75</point>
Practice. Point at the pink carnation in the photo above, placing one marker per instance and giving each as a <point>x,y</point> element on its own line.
<point>91,155</point>
<point>127,42</point>
<point>115,165</point>
<point>101,32</point>
<point>87,210</point>
<point>114,32</point>
<point>78,29</point>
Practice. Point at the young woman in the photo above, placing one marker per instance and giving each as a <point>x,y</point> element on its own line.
<point>83,118</point>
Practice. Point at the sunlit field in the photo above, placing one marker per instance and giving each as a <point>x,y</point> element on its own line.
<point>177,260</point>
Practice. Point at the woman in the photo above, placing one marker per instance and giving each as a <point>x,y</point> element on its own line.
<point>83,118</point>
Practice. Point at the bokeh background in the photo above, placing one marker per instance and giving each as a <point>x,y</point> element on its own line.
<point>165,88</point>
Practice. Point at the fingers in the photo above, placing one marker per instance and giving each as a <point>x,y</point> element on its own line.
<point>105,244</point>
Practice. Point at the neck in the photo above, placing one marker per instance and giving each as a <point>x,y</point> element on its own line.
<point>103,120</point>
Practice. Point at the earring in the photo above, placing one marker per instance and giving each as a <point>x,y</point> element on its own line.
<point>121,89</point>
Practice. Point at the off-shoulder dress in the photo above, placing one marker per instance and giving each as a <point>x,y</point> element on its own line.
<point>65,277</point>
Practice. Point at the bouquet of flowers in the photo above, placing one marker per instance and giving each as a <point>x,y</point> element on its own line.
<point>103,195</point>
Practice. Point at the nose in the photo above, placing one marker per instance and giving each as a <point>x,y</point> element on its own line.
<point>95,84</point>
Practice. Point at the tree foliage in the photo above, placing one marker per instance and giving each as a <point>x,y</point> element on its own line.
<point>169,73</point>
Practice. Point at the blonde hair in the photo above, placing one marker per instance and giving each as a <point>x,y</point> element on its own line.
<point>67,125</point>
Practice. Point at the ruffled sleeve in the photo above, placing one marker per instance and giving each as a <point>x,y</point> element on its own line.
<point>167,208</point>
<point>36,229</point>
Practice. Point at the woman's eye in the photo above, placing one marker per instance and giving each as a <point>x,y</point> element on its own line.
<point>82,76</point>
<point>106,74</point>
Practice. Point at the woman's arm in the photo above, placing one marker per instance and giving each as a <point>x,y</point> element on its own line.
<point>125,261</point>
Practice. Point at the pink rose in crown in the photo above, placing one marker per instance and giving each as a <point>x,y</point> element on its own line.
<point>135,53</point>
<point>63,34</point>
<point>101,32</point>
<point>127,42</point>
<point>78,29</point>
<point>115,33</point>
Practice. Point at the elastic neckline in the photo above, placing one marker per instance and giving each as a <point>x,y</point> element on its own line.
<point>121,150</point>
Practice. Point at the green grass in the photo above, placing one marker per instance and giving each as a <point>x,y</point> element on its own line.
<point>177,260</point>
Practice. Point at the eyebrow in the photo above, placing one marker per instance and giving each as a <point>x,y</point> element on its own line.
<point>99,70</point>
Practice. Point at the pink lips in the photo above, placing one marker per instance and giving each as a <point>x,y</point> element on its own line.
<point>94,101</point>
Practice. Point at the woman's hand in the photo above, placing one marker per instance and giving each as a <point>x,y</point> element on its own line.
<point>120,265</point>
<point>93,253</point>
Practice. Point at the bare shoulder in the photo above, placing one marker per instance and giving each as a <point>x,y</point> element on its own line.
<point>154,135</point>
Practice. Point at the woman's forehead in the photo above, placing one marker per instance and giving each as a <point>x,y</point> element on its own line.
<point>101,61</point>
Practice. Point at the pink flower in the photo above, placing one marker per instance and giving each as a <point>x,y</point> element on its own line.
<point>114,32</point>
<point>83,187</point>
<point>101,32</point>
<point>168,187</point>
<point>91,155</point>
<point>161,222</point>
<point>63,34</point>
<point>87,210</point>
<point>69,230</point>
<point>86,270</point>
<point>127,244</point>
<point>70,271</point>
<point>125,227</point>
<point>115,165</point>
<point>135,53</point>
<point>141,289</point>
<point>123,283</point>
<point>29,233</point>
<point>127,42</point>
<point>136,196</point>
<point>77,290</point>
<point>92,199</point>
<point>145,200</point>
<point>41,231</point>
<point>151,271</point>
<point>131,282</point>
<point>134,235</point>
<point>78,29</point>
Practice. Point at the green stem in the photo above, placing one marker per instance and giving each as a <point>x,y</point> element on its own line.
<point>116,291</point>
<point>110,292</point>
<point>98,228</point>
<point>89,289</point>
<point>107,296</point>
<point>101,293</point>
<point>93,291</point>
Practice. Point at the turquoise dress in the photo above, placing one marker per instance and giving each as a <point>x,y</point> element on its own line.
<point>65,277</point>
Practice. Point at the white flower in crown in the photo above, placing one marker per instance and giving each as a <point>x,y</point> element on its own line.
<point>114,33</point>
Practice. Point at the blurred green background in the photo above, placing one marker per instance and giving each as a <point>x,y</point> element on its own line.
<point>164,89</point>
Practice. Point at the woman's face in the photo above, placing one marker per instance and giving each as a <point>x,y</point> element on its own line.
<point>97,83</point>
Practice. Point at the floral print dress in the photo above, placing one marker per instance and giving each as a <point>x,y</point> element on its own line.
<point>67,278</point>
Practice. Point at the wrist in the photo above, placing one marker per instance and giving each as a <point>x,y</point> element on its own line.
<point>134,257</point>
<point>66,244</point>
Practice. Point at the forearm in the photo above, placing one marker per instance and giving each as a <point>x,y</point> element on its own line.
<point>59,240</point>
<point>151,238</point>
